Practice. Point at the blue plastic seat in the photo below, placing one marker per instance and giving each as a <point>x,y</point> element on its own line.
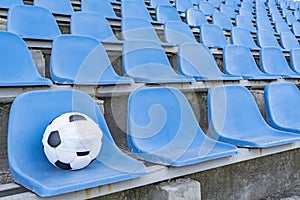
<point>195,18</point>
<point>207,8</point>
<point>282,26</point>
<point>155,3</point>
<point>197,61</point>
<point>290,18</point>
<point>30,114</point>
<point>272,61</point>
<point>138,29</point>
<point>238,61</point>
<point>131,9</point>
<point>92,25</point>
<point>167,13</point>
<point>244,22</point>
<point>232,3</point>
<point>296,28</point>
<point>183,5</point>
<point>297,14</point>
<point>9,3</point>
<point>63,7</point>
<point>215,3</point>
<point>295,60</point>
<point>212,36</point>
<point>234,118</point>
<point>178,32</point>
<point>241,36</point>
<point>288,40</point>
<point>282,106</point>
<point>163,129</point>
<point>146,61</point>
<point>247,13</point>
<point>246,9</point>
<point>102,7</point>
<point>222,20</point>
<point>82,60</point>
<point>32,22</point>
<point>228,10</point>
<point>266,38</point>
<point>264,24</point>
<point>17,67</point>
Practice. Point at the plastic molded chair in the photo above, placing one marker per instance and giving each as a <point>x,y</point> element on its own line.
<point>82,60</point>
<point>245,22</point>
<point>266,38</point>
<point>183,5</point>
<point>232,3</point>
<point>264,24</point>
<point>272,61</point>
<point>207,8</point>
<point>215,3</point>
<point>289,41</point>
<point>131,9</point>
<point>32,22</point>
<point>234,118</point>
<point>228,10</point>
<point>30,114</point>
<point>146,61</point>
<point>195,18</point>
<point>57,7</point>
<point>102,7</point>
<point>282,110</point>
<point>155,3</point>
<point>167,13</point>
<point>178,32</point>
<point>138,29</point>
<point>17,67</point>
<point>296,28</point>
<point>163,129</point>
<point>92,25</point>
<point>222,20</point>
<point>241,36</point>
<point>197,61</point>
<point>212,36</point>
<point>295,60</point>
<point>290,18</point>
<point>238,61</point>
<point>282,26</point>
<point>9,3</point>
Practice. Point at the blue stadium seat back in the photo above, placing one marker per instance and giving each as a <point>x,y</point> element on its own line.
<point>28,119</point>
<point>295,60</point>
<point>280,67</point>
<point>195,18</point>
<point>276,17</point>
<point>289,41</point>
<point>8,3</point>
<point>233,4</point>
<point>241,36</point>
<point>32,22</point>
<point>215,3</point>
<point>138,29</point>
<point>63,7</point>
<point>102,7</point>
<point>246,9</point>
<point>247,13</point>
<point>197,61</point>
<point>82,60</point>
<point>92,25</point>
<point>249,129</point>
<point>228,10</point>
<point>183,5</point>
<point>207,8</point>
<point>178,32</point>
<point>282,26</point>
<point>222,20</point>
<point>297,14</point>
<point>245,22</point>
<point>212,36</point>
<point>264,24</point>
<point>296,28</point>
<point>17,67</point>
<point>132,9</point>
<point>290,18</point>
<point>163,129</point>
<point>282,110</point>
<point>146,61</point>
<point>155,3</point>
<point>167,13</point>
<point>238,61</point>
<point>266,38</point>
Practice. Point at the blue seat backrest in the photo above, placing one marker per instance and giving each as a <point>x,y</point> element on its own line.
<point>228,10</point>
<point>245,22</point>
<point>195,18</point>
<point>266,38</point>
<point>296,28</point>
<point>241,36</point>
<point>155,3</point>
<point>282,26</point>
<point>32,22</point>
<point>183,5</point>
<point>167,13</point>
<point>133,9</point>
<point>58,6</point>
<point>207,8</point>
<point>295,59</point>
<point>288,40</point>
<point>212,36</point>
<point>9,3</point>
<point>222,20</point>
<point>178,32</point>
<point>102,7</point>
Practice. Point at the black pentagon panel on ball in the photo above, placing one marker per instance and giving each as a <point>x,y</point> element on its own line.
<point>73,118</point>
<point>83,153</point>
<point>61,165</point>
<point>54,139</point>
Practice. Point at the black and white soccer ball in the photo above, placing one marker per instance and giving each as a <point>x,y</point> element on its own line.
<point>72,141</point>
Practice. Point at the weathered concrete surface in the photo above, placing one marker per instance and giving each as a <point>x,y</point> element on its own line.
<point>2,24</point>
<point>39,61</point>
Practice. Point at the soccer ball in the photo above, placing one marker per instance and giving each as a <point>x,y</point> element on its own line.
<point>72,141</point>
